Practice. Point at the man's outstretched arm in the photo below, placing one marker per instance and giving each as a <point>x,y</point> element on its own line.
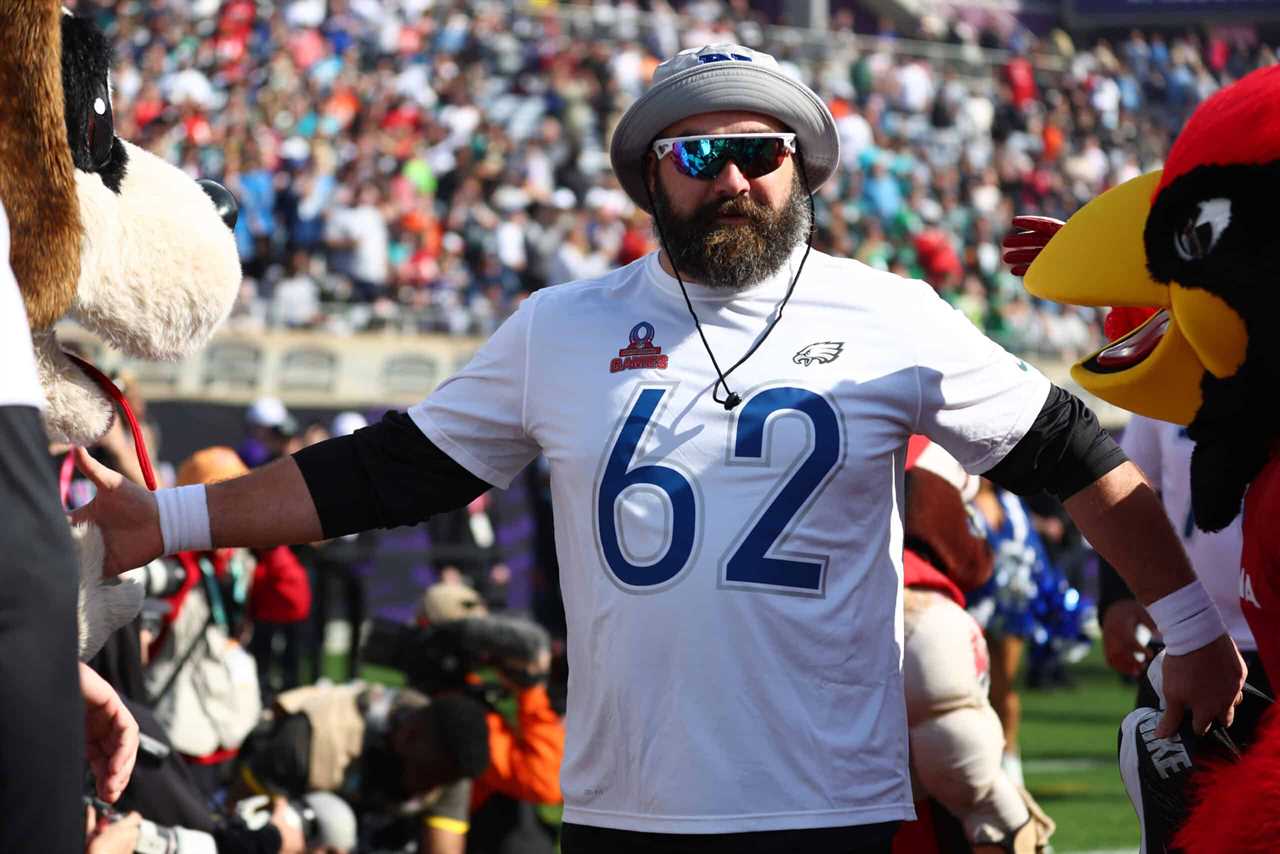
<point>267,507</point>
<point>385,475</point>
<point>1123,518</point>
<point>1067,453</point>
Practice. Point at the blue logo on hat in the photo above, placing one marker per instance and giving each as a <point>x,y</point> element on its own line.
<point>723,57</point>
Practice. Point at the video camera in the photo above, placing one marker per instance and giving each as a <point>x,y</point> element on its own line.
<point>438,657</point>
<point>160,579</point>
<point>326,820</point>
<point>153,839</point>
<point>255,812</point>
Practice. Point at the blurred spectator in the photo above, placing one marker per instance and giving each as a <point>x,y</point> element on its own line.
<point>403,761</point>
<point>526,738</point>
<point>271,433</point>
<point>296,302</point>
<point>338,567</point>
<point>203,684</point>
<point>357,238</point>
<point>269,430</point>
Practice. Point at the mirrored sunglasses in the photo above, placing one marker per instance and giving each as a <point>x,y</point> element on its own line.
<point>703,157</point>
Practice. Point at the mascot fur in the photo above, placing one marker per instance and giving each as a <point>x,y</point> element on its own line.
<point>1189,258</point>
<point>103,233</point>
<point>955,736</point>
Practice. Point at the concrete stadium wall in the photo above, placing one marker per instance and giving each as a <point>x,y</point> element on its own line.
<point>312,370</point>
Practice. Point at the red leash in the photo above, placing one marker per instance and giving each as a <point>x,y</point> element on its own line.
<point>140,445</point>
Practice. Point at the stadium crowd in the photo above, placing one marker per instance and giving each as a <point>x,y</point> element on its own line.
<point>423,166</point>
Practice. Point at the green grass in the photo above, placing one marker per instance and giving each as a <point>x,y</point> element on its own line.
<point>1069,755</point>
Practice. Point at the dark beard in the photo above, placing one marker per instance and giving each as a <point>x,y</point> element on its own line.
<point>732,257</point>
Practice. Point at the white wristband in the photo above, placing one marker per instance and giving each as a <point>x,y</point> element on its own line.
<point>1187,619</point>
<point>184,519</point>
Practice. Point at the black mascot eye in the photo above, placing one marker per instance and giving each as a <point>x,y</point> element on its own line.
<point>101,132</point>
<point>1201,233</point>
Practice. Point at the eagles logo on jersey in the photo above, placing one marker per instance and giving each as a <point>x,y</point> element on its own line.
<point>821,352</point>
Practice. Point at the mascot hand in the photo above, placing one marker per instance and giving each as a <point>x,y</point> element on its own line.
<point>1030,235</point>
<point>102,605</point>
<point>1206,682</point>
<point>111,735</point>
<point>126,514</point>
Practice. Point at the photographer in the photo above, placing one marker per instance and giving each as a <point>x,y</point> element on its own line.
<point>180,817</point>
<point>403,761</point>
<point>526,745</point>
<point>285,829</point>
<point>203,684</point>
<point>103,837</point>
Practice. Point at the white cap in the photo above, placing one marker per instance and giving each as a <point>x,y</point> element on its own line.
<point>335,820</point>
<point>564,199</point>
<point>720,77</point>
<point>936,459</point>
<point>452,242</point>
<point>508,199</point>
<point>346,423</point>
<point>267,412</point>
<point>450,600</point>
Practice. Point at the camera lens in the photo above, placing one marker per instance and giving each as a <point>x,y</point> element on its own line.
<point>164,578</point>
<point>310,822</point>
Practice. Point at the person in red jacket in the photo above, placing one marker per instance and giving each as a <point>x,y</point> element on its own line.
<point>202,682</point>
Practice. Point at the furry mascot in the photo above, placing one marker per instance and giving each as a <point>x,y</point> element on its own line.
<point>103,233</point>
<point>1189,257</point>
<point>956,738</point>
<point>129,247</point>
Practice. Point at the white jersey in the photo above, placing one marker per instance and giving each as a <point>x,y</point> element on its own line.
<point>1163,452</point>
<point>732,580</point>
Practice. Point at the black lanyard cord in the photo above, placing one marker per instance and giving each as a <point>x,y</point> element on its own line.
<point>732,399</point>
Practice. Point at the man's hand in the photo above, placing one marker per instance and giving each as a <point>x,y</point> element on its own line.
<point>292,840</point>
<point>531,672</point>
<point>1207,682</point>
<point>119,837</point>
<point>1108,512</point>
<point>1120,645</point>
<point>111,735</point>
<point>125,512</point>
<point>1030,235</point>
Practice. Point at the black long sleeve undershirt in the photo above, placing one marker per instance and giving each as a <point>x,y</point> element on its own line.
<point>390,474</point>
<point>1065,450</point>
<point>382,476</point>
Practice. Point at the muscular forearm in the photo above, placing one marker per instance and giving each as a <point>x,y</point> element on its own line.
<point>1123,519</point>
<point>268,507</point>
<point>383,476</point>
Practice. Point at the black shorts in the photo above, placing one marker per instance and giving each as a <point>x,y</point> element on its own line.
<point>862,839</point>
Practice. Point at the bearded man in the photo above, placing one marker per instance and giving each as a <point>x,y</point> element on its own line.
<point>727,487</point>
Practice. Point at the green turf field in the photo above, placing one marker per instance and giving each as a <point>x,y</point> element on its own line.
<point>1069,759</point>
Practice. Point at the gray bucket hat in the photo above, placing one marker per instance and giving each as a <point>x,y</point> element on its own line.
<point>722,77</point>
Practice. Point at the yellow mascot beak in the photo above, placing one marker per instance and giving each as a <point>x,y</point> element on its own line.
<point>1099,258</point>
